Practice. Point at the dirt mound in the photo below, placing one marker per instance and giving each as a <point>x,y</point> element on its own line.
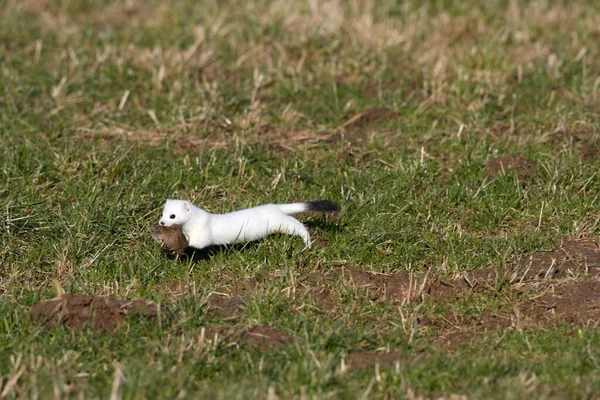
<point>550,288</point>
<point>570,301</point>
<point>452,330</point>
<point>574,258</point>
<point>589,151</point>
<point>520,166</point>
<point>380,287</point>
<point>323,297</point>
<point>105,314</point>
<point>573,301</point>
<point>399,286</point>
<point>230,300</point>
<point>224,305</point>
<point>265,337</point>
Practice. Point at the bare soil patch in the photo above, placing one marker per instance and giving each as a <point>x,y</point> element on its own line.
<point>589,151</point>
<point>266,337</point>
<point>553,287</point>
<point>575,258</point>
<point>542,305</point>
<point>572,258</point>
<point>453,330</point>
<point>380,287</point>
<point>365,359</point>
<point>550,288</point>
<point>520,166</point>
<point>573,301</point>
<point>230,300</point>
<point>105,314</point>
<point>224,305</point>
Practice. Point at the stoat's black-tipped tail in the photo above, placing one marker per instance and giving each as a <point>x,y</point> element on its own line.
<point>317,205</point>
<point>322,206</point>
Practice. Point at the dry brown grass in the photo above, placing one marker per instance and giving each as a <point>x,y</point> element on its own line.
<point>465,61</point>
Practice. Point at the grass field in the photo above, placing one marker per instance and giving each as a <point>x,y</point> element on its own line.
<point>460,140</point>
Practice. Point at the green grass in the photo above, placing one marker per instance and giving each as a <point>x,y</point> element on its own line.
<point>86,168</point>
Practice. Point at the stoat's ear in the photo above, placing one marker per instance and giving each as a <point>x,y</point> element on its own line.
<point>187,206</point>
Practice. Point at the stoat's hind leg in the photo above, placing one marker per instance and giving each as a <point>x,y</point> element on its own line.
<point>292,226</point>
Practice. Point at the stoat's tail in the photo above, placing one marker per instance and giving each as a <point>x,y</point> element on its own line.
<point>317,205</point>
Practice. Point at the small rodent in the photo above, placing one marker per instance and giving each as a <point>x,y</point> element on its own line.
<point>171,236</point>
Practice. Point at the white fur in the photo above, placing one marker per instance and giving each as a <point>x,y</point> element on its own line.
<point>204,229</point>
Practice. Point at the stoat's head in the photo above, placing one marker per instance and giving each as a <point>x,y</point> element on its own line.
<point>176,212</point>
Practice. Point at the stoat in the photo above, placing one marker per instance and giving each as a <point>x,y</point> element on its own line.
<point>203,229</point>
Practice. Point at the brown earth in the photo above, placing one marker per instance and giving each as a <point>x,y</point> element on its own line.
<point>520,166</point>
<point>589,151</point>
<point>380,287</point>
<point>224,305</point>
<point>265,337</point>
<point>572,301</point>
<point>363,359</point>
<point>550,288</point>
<point>105,314</point>
<point>547,304</point>
<point>574,258</point>
<point>452,330</point>
<point>561,286</point>
<point>229,300</point>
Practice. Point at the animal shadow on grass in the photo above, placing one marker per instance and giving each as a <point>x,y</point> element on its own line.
<point>195,255</point>
<point>324,222</point>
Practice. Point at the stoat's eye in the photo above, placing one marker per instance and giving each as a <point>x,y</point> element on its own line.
<point>172,216</point>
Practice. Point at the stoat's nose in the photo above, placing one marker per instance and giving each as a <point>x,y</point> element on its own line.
<point>162,223</point>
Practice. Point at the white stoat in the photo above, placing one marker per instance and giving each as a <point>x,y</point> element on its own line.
<point>203,229</point>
